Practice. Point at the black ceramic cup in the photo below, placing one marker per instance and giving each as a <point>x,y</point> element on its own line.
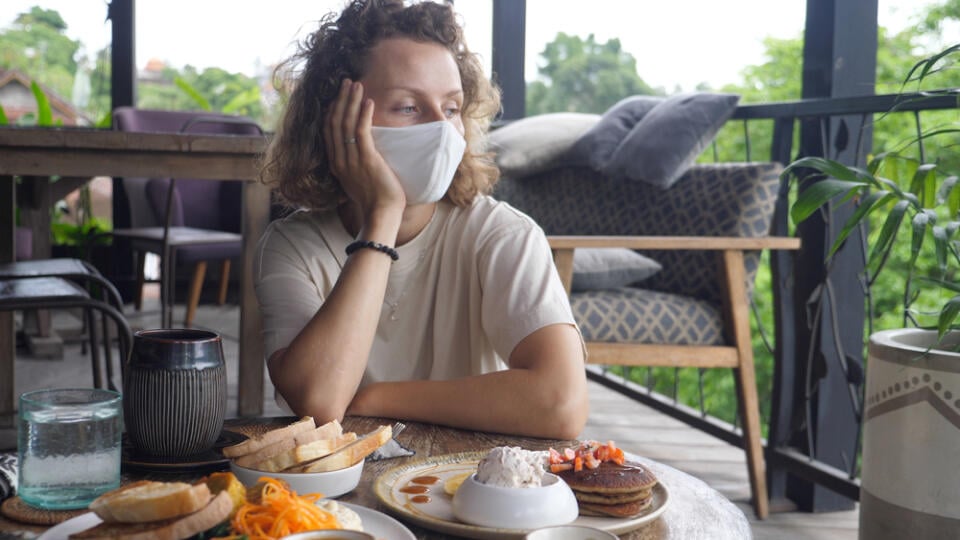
<point>175,392</point>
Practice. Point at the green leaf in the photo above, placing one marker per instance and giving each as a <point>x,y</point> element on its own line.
<point>820,193</point>
<point>867,205</point>
<point>192,92</point>
<point>941,283</point>
<point>922,220</point>
<point>948,315</point>
<point>887,235</point>
<point>924,184</point>
<point>105,121</point>
<point>3,117</point>
<point>940,240</point>
<point>927,64</point>
<point>242,100</point>
<point>828,167</point>
<point>44,112</point>
<point>951,195</point>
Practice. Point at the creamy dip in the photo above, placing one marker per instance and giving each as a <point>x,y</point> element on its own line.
<point>512,466</point>
<point>347,518</point>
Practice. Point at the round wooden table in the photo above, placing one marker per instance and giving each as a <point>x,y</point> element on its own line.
<point>695,510</point>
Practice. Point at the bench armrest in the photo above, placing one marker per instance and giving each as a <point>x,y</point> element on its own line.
<point>563,246</point>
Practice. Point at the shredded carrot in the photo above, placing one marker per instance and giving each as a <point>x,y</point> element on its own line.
<point>280,512</point>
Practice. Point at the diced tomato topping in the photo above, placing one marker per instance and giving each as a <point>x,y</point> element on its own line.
<point>589,454</point>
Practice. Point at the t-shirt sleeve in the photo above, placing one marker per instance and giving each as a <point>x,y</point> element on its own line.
<point>522,291</point>
<point>287,294</point>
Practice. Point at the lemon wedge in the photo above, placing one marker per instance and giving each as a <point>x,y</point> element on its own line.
<point>452,484</point>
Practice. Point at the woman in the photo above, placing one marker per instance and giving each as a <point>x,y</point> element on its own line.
<point>401,289</point>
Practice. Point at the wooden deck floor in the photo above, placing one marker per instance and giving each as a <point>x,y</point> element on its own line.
<point>635,427</point>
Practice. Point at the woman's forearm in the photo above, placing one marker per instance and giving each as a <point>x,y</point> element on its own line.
<point>320,371</point>
<point>545,398</point>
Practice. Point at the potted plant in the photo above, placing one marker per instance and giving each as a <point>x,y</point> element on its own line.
<point>910,484</point>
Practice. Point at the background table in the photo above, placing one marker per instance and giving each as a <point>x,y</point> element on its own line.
<point>38,153</point>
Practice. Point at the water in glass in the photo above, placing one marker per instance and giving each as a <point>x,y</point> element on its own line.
<point>69,446</point>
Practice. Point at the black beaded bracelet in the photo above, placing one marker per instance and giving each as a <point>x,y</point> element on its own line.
<point>360,244</point>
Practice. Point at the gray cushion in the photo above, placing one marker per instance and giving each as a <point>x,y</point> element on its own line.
<point>595,147</point>
<point>632,315</point>
<point>609,268</point>
<point>531,145</point>
<point>663,145</point>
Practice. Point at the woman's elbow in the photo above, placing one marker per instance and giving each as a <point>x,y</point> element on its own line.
<point>567,411</point>
<point>322,410</point>
<point>304,399</point>
<point>571,418</point>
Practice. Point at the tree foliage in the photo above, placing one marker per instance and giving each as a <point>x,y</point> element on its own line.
<point>36,45</point>
<point>584,76</point>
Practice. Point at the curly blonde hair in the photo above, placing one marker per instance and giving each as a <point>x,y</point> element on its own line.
<point>296,165</point>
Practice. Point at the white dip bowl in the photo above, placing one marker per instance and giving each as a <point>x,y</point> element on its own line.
<point>485,505</point>
<point>330,484</point>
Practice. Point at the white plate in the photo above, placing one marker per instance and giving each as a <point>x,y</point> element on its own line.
<point>376,523</point>
<point>437,513</point>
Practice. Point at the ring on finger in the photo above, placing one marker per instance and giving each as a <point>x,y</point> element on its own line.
<point>350,140</point>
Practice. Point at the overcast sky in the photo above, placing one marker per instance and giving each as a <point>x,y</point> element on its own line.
<point>673,47</point>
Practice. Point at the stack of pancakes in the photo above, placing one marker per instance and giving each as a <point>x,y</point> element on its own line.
<point>621,491</point>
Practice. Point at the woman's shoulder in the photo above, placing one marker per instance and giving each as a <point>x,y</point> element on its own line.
<point>488,222</point>
<point>488,212</point>
<point>301,226</point>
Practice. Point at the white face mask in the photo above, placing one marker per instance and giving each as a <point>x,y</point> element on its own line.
<point>425,157</point>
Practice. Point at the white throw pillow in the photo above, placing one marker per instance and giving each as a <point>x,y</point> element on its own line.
<point>534,144</point>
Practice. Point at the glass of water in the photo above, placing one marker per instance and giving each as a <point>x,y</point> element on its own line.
<point>68,443</point>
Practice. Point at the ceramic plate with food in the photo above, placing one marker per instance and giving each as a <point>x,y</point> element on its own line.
<point>401,490</point>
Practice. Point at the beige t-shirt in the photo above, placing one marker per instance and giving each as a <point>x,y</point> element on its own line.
<point>464,293</point>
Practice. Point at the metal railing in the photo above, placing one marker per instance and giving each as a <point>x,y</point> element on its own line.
<point>845,131</point>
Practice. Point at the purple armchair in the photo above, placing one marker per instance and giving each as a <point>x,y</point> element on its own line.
<point>184,221</point>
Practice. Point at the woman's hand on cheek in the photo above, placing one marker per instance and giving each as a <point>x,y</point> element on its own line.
<point>354,160</point>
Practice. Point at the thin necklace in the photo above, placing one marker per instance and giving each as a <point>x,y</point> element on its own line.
<point>395,305</point>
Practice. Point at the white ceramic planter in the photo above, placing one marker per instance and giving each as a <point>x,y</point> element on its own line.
<point>910,480</point>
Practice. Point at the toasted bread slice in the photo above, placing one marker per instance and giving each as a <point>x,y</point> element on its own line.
<point>177,528</point>
<point>350,454</point>
<point>274,435</point>
<point>304,453</point>
<point>148,500</point>
<point>330,430</point>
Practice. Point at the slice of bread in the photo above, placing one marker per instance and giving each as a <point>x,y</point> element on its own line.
<point>304,453</point>
<point>350,454</point>
<point>330,430</point>
<point>148,500</point>
<point>274,435</point>
<point>178,528</point>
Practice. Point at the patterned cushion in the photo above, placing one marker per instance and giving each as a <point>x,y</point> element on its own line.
<point>630,315</point>
<point>730,199</point>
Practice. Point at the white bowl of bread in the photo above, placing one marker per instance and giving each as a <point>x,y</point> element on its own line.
<point>311,459</point>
